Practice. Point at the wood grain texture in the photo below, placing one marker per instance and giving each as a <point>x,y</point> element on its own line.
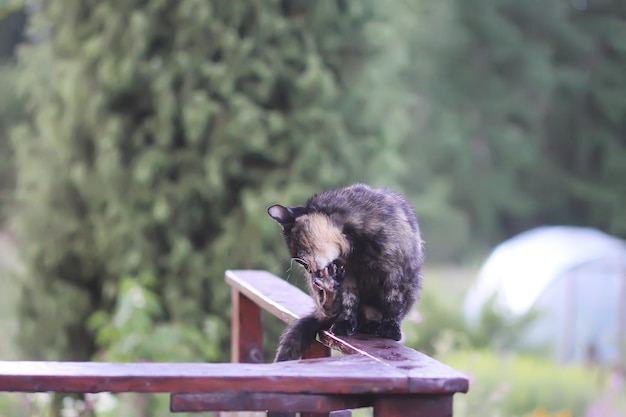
<point>426,375</point>
<point>272,401</point>
<point>271,293</point>
<point>413,406</point>
<point>316,350</point>
<point>246,331</point>
<point>341,375</point>
<point>319,350</point>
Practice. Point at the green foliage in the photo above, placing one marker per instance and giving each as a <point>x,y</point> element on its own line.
<point>10,6</point>
<point>446,229</point>
<point>9,404</point>
<point>11,113</point>
<point>514,385</point>
<point>133,331</point>
<point>160,133</point>
<point>12,24</point>
<point>508,378</point>
<point>442,329</point>
<point>517,111</point>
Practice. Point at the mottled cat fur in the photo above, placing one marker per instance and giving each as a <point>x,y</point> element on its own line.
<point>362,252</point>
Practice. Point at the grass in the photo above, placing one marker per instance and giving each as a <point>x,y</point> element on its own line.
<point>449,283</point>
<point>518,385</point>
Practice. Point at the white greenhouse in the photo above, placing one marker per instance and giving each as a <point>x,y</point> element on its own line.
<point>573,277</point>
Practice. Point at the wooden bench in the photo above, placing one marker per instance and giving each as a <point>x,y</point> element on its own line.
<point>393,379</point>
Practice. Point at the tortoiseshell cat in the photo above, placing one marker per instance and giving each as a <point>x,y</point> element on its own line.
<point>362,252</point>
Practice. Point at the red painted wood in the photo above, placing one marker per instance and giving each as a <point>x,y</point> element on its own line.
<point>426,375</point>
<point>276,295</point>
<point>338,375</point>
<point>272,401</point>
<point>413,406</point>
<point>247,330</point>
<point>316,350</point>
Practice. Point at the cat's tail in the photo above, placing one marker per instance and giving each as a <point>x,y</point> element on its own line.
<point>299,335</point>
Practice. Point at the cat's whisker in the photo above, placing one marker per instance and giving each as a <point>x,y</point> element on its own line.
<point>291,267</point>
<point>289,270</point>
<point>301,262</point>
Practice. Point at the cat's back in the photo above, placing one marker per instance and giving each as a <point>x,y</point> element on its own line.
<point>356,199</point>
<point>378,214</point>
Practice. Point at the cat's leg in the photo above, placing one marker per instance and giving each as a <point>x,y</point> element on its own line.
<point>390,329</point>
<point>368,319</point>
<point>346,322</point>
<point>396,303</point>
<point>368,327</point>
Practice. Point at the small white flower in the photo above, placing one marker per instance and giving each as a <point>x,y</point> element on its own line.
<point>68,408</point>
<point>137,297</point>
<point>79,405</point>
<point>40,399</point>
<point>68,402</point>
<point>103,402</point>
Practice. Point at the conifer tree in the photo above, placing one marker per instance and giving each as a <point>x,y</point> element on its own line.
<point>160,133</point>
<point>523,107</point>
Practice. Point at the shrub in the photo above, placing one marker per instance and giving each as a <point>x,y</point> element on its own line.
<point>160,133</point>
<point>516,385</point>
<point>11,113</point>
<point>443,328</point>
<point>133,331</point>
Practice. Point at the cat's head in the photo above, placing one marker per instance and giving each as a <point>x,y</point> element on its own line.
<point>313,239</point>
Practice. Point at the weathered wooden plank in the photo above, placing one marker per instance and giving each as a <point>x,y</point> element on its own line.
<point>352,374</point>
<point>271,401</point>
<point>316,350</point>
<point>413,406</point>
<point>246,331</point>
<point>427,376</point>
<point>319,350</point>
<point>271,293</point>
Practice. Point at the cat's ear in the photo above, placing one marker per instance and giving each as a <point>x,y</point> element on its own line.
<point>283,214</point>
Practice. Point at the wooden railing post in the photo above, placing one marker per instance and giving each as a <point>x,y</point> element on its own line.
<point>316,350</point>
<point>247,330</point>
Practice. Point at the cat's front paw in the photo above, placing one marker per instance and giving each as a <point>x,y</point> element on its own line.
<point>337,270</point>
<point>389,330</point>
<point>344,327</point>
